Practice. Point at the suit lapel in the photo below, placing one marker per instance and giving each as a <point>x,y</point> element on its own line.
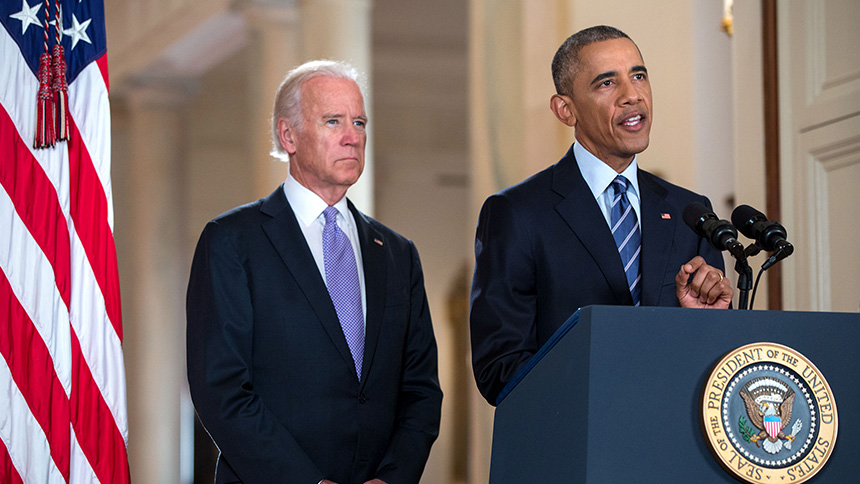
<point>375,270</point>
<point>286,236</point>
<point>581,212</point>
<point>658,233</point>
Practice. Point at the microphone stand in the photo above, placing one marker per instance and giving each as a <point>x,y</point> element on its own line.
<point>779,254</point>
<point>745,277</point>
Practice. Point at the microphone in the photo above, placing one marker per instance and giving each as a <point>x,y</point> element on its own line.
<point>769,235</point>
<point>720,233</point>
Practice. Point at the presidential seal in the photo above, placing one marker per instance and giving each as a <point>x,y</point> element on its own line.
<point>769,415</point>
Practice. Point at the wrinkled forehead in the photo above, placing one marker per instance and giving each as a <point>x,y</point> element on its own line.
<point>332,92</point>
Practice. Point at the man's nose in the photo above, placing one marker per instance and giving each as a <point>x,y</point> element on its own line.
<point>629,93</point>
<point>352,135</point>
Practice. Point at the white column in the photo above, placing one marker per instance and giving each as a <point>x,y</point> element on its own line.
<point>340,30</point>
<point>153,275</point>
<point>276,47</point>
<point>513,132</point>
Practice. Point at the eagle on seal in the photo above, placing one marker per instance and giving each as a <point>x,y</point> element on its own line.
<point>768,402</point>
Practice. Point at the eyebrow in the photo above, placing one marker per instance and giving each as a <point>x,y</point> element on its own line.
<point>340,116</point>
<point>608,74</point>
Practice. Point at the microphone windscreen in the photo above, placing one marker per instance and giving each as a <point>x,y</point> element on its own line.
<point>743,217</point>
<point>693,214</point>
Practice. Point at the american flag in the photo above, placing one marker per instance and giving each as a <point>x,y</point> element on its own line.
<point>62,383</point>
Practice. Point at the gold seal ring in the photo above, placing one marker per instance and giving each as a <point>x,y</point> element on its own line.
<point>721,275</point>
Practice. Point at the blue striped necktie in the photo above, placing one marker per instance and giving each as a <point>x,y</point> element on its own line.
<point>341,275</point>
<point>628,238</point>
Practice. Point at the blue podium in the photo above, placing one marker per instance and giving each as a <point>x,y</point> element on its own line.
<point>616,395</point>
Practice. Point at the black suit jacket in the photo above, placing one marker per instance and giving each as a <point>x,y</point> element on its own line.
<point>270,372</point>
<point>543,250</point>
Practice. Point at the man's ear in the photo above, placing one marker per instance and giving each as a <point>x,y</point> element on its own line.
<point>286,135</point>
<point>562,107</point>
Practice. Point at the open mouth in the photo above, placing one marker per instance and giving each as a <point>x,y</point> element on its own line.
<point>632,121</point>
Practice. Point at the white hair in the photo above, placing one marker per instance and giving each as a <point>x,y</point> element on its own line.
<point>288,100</point>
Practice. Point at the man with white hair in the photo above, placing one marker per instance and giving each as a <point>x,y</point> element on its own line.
<point>311,354</point>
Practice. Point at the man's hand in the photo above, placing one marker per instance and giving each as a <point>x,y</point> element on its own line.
<point>708,288</point>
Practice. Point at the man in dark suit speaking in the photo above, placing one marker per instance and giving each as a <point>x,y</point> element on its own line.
<point>591,229</point>
<point>311,354</point>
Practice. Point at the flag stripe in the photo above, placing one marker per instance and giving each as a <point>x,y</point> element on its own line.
<point>90,109</point>
<point>81,471</point>
<point>98,399</point>
<point>31,368</point>
<point>100,440</point>
<point>29,451</point>
<point>34,279</point>
<point>103,67</point>
<point>95,307</point>
<point>16,73</point>
<point>89,213</point>
<point>100,345</point>
<point>35,200</point>
<point>7,470</point>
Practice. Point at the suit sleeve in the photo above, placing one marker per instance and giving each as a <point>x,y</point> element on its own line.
<point>257,447</point>
<point>420,399</point>
<point>503,299</point>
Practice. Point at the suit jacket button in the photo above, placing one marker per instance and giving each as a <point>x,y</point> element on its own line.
<point>362,399</point>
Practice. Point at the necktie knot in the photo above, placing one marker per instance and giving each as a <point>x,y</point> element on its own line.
<point>619,184</point>
<point>330,214</point>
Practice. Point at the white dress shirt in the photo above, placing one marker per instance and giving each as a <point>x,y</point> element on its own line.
<point>598,175</point>
<point>308,207</point>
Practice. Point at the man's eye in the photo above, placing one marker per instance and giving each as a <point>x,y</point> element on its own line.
<point>331,122</point>
<point>360,124</point>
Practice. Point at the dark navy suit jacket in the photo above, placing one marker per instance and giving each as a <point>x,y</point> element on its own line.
<point>543,250</point>
<point>270,372</point>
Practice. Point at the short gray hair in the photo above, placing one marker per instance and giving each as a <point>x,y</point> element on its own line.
<point>565,63</point>
<point>288,100</point>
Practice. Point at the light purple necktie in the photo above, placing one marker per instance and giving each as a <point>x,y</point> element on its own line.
<point>341,274</point>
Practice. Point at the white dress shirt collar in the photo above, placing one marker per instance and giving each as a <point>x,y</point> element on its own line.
<point>598,175</point>
<point>307,205</point>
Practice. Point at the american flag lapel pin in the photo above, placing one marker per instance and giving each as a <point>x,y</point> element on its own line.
<point>666,216</point>
<point>378,241</point>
